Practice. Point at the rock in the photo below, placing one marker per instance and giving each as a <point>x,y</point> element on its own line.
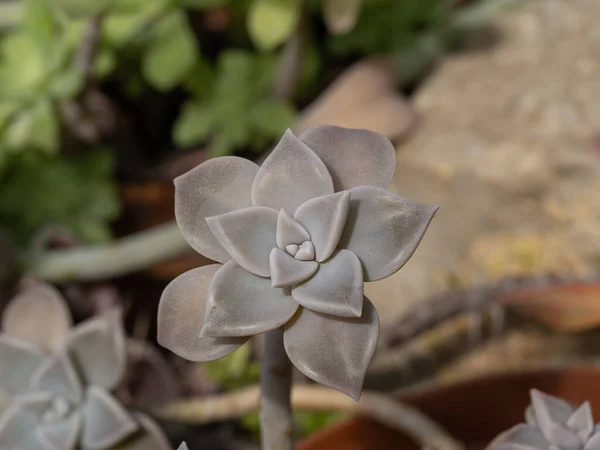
<point>365,96</point>
<point>506,147</point>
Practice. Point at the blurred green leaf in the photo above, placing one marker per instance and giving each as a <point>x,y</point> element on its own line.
<point>387,26</point>
<point>272,22</point>
<point>237,112</point>
<point>203,4</point>
<point>22,68</point>
<point>271,116</point>
<point>35,127</point>
<point>84,8</point>
<point>171,57</point>
<point>193,125</point>
<point>78,194</point>
<point>41,23</point>
<point>235,370</point>
<point>67,84</point>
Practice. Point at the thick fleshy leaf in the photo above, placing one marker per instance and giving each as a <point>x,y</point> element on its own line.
<point>248,235</point>
<point>289,231</point>
<point>594,442</point>
<point>306,252</point>
<point>336,289</point>
<point>551,414</point>
<point>242,304</point>
<point>60,435</point>
<point>149,437</point>
<point>57,375</point>
<point>331,350</point>
<point>181,315</point>
<point>582,421</point>
<point>217,186</point>
<point>36,404</point>
<point>15,378</point>
<point>324,219</point>
<point>383,229</point>
<point>16,428</point>
<point>105,421</point>
<point>519,437</point>
<point>354,157</point>
<point>97,348</point>
<point>40,315</point>
<point>291,175</point>
<point>288,271</point>
<point>183,446</point>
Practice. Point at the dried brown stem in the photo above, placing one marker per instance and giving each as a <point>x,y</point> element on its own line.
<point>380,407</point>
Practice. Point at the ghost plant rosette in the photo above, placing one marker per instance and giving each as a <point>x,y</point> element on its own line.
<point>55,381</point>
<point>295,239</point>
<point>551,424</point>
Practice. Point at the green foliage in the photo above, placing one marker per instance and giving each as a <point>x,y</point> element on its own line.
<point>235,370</point>
<point>77,194</point>
<point>172,53</point>
<point>387,26</point>
<point>272,22</point>
<point>237,111</point>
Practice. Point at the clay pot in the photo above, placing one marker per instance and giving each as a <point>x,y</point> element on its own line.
<point>474,411</point>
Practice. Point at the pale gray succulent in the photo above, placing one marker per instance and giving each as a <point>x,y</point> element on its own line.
<point>183,446</point>
<point>296,239</point>
<point>55,380</point>
<point>551,424</point>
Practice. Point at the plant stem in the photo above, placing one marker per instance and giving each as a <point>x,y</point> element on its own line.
<point>129,254</point>
<point>275,399</point>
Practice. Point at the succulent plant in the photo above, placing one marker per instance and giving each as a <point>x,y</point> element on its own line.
<point>551,424</point>
<point>55,380</point>
<point>183,446</point>
<point>295,239</point>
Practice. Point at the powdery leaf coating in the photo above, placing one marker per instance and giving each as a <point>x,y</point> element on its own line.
<point>62,435</point>
<point>289,231</point>
<point>97,347</point>
<point>14,378</point>
<point>39,315</point>
<point>317,246</point>
<point>551,424</point>
<point>181,315</point>
<point>248,235</point>
<point>106,422</point>
<point>242,304</point>
<point>336,289</point>
<point>183,446</point>
<point>333,351</point>
<point>57,375</point>
<point>354,157</point>
<point>384,229</point>
<point>218,186</point>
<point>324,219</point>
<point>288,271</point>
<point>149,437</point>
<point>54,407</point>
<point>291,175</point>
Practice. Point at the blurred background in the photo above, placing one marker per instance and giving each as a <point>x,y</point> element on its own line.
<point>492,104</point>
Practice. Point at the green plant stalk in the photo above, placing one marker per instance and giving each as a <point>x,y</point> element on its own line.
<point>276,420</point>
<point>127,255</point>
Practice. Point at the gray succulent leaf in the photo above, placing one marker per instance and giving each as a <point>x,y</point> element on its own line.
<point>551,424</point>
<point>59,396</point>
<point>295,239</point>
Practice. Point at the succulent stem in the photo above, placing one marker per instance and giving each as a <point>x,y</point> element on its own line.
<point>275,399</point>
